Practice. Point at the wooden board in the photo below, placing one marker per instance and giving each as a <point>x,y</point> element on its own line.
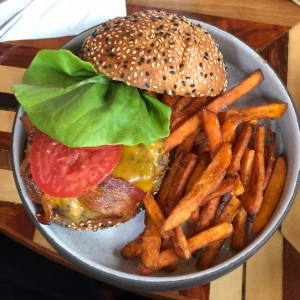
<point>254,279</point>
<point>279,12</point>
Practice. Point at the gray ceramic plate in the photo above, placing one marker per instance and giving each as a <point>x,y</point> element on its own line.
<point>98,253</point>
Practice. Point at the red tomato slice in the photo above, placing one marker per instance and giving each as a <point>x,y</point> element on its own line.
<point>67,172</point>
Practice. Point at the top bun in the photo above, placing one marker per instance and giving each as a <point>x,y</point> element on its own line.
<point>158,51</point>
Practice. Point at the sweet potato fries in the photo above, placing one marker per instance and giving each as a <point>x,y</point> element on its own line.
<point>224,172</point>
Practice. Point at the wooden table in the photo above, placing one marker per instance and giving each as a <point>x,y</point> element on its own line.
<point>272,273</point>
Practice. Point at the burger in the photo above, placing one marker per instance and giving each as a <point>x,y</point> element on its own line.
<point>95,123</point>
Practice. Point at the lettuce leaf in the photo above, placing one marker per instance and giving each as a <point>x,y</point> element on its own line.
<point>67,99</point>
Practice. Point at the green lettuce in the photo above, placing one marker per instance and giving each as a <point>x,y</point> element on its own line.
<point>67,99</point>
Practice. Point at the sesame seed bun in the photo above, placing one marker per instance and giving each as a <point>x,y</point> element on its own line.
<point>158,51</point>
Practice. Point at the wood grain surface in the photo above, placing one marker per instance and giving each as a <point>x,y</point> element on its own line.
<point>278,12</point>
<point>272,273</point>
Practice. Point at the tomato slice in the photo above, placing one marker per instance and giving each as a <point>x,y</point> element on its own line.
<point>68,172</point>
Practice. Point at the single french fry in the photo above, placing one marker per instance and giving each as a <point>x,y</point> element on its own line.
<point>238,189</point>
<point>230,115</point>
<point>187,145</point>
<point>211,177</point>
<point>270,111</point>
<point>167,244</point>
<point>179,243</point>
<point>183,173</point>
<point>255,193</point>
<point>217,232</point>
<point>167,182</point>
<point>246,172</point>
<point>207,214</point>
<point>239,148</point>
<point>178,106</point>
<point>228,129</point>
<point>181,104</point>
<point>194,106</point>
<point>208,256</point>
<point>228,213</point>
<point>151,244</point>
<point>212,129</point>
<point>239,237</point>
<point>271,195</point>
<point>154,211</point>
<point>249,114</point>
<point>134,248</point>
<point>165,258</point>
<point>270,157</point>
<point>200,240</point>
<point>226,186</point>
<point>183,131</point>
<point>235,93</point>
<point>202,164</point>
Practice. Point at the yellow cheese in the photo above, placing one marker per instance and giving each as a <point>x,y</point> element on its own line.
<point>138,165</point>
